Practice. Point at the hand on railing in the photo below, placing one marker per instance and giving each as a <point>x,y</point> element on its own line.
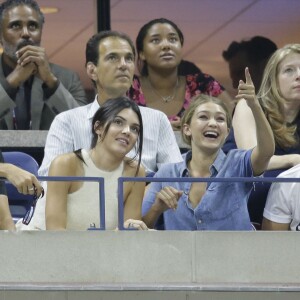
<point>25,182</point>
<point>135,224</point>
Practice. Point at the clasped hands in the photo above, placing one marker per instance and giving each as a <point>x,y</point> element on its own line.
<point>32,60</point>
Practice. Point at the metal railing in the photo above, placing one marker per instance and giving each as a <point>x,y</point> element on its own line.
<point>100,180</point>
<point>121,181</point>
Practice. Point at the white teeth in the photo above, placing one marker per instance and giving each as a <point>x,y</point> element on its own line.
<point>123,141</point>
<point>211,134</point>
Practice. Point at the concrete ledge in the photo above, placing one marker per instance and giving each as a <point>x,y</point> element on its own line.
<point>173,260</point>
<point>151,287</point>
<point>37,139</point>
<point>23,138</point>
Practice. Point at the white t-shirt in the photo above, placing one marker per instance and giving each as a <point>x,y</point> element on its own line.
<point>283,202</point>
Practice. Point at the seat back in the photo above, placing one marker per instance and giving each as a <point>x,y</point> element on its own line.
<point>19,203</point>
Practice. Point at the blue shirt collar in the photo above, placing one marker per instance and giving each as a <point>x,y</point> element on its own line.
<point>214,168</point>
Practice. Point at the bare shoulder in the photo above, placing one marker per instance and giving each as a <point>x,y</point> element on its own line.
<point>130,168</point>
<point>65,164</point>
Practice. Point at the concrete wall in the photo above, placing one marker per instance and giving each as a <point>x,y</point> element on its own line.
<point>37,138</point>
<point>158,265</point>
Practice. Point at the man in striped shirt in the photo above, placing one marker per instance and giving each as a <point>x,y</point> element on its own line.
<point>110,57</point>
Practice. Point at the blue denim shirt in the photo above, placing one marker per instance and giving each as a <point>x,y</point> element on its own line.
<point>222,207</point>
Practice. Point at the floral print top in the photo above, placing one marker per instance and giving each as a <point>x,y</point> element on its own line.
<point>196,84</point>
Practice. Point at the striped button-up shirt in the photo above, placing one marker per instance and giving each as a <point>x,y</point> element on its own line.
<point>72,130</point>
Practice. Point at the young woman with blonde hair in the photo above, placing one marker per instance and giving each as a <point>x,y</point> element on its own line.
<point>279,96</point>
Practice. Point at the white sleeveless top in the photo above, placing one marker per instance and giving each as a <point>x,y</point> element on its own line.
<point>83,207</point>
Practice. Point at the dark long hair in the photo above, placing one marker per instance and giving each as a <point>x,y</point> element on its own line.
<point>105,116</point>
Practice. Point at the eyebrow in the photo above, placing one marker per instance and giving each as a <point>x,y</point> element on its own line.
<point>126,120</point>
<point>289,65</point>
<point>118,53</point>
<point>155,35</point>
<point>18,21</point>
<point>208,111</point>
<point>159,34</point>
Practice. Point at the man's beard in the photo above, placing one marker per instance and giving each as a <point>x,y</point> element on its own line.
<point>10,50</point>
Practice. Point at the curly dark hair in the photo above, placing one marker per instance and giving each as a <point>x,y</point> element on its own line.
<point>8,4</point>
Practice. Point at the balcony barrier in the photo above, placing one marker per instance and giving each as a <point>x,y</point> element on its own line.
<point>121,181</point>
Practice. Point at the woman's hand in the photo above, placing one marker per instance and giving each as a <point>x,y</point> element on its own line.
<point>135,224</point>
<point>25,182</point>
<point>265,147</point>
<point>246,90</point>
<point>167,198</point>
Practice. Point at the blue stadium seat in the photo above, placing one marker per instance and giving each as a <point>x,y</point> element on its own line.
<point>19,203</point>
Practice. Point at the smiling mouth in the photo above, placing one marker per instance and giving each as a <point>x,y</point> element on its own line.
<point>211,134</point>
<point>123,141</point>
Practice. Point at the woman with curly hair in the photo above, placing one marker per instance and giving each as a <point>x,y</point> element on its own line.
<point>159,46</point>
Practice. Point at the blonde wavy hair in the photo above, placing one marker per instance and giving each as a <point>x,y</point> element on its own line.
<point>272,100</point>
<point>195,102</point>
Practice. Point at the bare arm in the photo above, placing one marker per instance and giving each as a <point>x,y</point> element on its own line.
<point>133,204</point>
<point>21,179</point>
<point>265,147</point>
<point>244,126</point>
<point>6,221</point>
<point>284,161</point>
<point>245,137</point>
<point>270,225</point>
<point>229,102</point>
<point>57,193</point>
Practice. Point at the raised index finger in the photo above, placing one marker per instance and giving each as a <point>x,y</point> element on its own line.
<point>248,76</point>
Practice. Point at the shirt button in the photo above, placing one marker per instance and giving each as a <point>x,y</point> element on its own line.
<point>199,221</point>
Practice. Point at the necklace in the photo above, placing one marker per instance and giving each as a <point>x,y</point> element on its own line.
<point>165,99</point>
